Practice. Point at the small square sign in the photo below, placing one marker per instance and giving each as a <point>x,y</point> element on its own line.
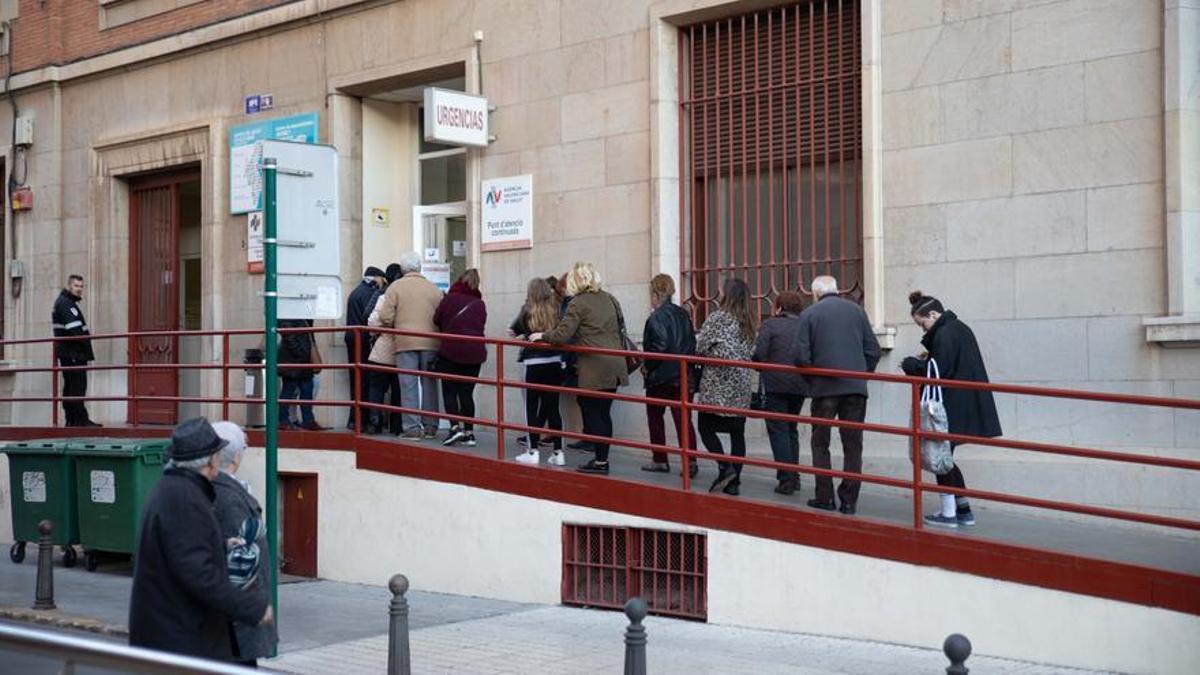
<point>266,101</point>
<point>253,104</point>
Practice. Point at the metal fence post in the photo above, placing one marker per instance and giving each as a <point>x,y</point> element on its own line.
<point>399,661</point>
<point>44,595</point>
<point>635,637</point>
<point>957,648</point>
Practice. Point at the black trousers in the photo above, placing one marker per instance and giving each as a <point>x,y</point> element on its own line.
<point>711,425</point>
<point>658,427</point>
<point>381,386</point>
<point>851,408</point>
<point>784,436</point>
<point>541,407</point>
<point>358,357</point>
<point>597,420</point>
<point>74,384</point>
<point>459,397</point>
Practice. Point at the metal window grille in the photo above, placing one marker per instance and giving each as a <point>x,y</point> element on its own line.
<point>603,566</point>
<point>771,151</point>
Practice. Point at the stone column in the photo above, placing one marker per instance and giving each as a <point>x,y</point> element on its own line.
<point>1181,126</point>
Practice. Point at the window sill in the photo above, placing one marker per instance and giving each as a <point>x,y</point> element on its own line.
<point>1173,332</point>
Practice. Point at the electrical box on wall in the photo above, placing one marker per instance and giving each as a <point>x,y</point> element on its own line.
<point>24,131</point>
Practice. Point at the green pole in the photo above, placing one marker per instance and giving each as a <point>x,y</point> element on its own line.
<point>271,310</point>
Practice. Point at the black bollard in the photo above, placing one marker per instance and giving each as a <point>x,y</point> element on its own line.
<point>44,595</point>
<point>635,637</point>
<point>957,648</point>
<point>399,661</point>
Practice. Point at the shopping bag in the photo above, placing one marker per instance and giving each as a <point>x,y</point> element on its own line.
<point>935,453</point>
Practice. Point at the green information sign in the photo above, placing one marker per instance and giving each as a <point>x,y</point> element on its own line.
<point>245,155</point>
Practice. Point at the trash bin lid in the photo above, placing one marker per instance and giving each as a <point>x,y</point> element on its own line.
<point>118,447</point>
<point>45,446</point>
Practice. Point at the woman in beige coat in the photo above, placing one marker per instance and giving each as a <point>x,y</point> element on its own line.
<point>593,319</point>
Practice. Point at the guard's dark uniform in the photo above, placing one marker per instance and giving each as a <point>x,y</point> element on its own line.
<point>67,320</point>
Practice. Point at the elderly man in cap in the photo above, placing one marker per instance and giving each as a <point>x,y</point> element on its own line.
<point>182,599</point>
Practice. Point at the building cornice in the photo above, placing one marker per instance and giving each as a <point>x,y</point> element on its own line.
<point>198,38</point>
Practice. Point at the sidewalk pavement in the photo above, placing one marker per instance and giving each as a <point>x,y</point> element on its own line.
<point>328,627</point>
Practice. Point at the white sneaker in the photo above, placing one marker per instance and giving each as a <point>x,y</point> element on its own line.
<point>528,457</point>
<point>557,458</point>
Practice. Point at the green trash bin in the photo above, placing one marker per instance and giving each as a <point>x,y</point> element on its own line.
<point>113,479</point>
<point>41,481</point>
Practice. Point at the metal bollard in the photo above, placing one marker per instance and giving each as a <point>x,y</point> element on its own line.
<point>957,648</point>
<point>399,662</point>
<point>635,637</point>
<point>44,595</point>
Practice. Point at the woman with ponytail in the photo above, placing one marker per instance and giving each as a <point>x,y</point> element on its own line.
<point>970,412</point>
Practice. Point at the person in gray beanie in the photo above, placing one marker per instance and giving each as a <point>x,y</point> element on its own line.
<point>182,600</point>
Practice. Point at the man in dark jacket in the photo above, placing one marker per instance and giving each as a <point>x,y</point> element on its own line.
<point>358,308</point>
<point>298,382</point>
<point>836,333</point>
<point>67,321</point>
<point>668,330</point>
<point>182,600</point>
<point>785,392</point>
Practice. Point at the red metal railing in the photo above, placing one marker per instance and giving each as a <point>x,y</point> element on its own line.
<point>912,431</point>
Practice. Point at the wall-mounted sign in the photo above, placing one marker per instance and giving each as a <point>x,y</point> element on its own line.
<point>245,155</point>
<point>506,217</point>
<point>381,217</point>
<point>253,104</point>
<point>455,118</point>
<point>254,242</point>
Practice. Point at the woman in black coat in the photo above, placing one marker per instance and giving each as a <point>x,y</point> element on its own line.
<point>970,412</point>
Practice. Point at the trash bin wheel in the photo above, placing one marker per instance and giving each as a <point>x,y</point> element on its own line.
<point>69,556</point>
<point>90,560</point>
<point>17,552</point>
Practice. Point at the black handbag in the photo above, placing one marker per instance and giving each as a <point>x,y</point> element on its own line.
<point>632,363</point>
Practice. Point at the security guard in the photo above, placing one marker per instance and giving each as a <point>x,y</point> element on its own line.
<point>67,321</point>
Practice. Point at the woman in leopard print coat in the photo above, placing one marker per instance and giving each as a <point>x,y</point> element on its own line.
<point>728,333</point>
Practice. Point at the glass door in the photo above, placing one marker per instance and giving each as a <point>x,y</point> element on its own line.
<point>440,238</point>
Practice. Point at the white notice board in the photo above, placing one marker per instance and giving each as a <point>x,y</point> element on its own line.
<point>506,219</point>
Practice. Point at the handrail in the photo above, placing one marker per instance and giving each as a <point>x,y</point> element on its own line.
<point>912,430</point>
<point>72,651</point>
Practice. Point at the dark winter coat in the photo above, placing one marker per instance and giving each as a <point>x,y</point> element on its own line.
<point>668,331</point>
<point>234,505</point>
<point>461,312</point>
<point>836,333</point>
<point>537,352</point>
<point>295,348</point>
<point>952,344</point>
<point>776,344</point>
<point>182,600</point>
<point>358,308</point>
<point>591,321</point>
<point>67,321</point>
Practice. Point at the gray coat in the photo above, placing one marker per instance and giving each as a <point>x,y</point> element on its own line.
<point>234,504</point>
<point>776,344</point>
<point>836,333</point>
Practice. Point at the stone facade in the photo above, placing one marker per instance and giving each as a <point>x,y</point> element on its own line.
<point>1029,161</point>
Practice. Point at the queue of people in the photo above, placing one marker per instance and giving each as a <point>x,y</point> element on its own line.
<point>576,309</point>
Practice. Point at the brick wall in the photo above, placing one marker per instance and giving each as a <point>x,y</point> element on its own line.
<point>54,32</point>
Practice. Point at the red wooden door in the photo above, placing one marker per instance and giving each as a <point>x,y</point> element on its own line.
<point>154,293</point>
<point>299,526</point>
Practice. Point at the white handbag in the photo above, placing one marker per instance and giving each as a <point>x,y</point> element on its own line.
<point>935,453</point>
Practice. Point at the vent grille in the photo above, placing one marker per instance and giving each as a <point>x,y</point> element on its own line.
<point>603,566</point>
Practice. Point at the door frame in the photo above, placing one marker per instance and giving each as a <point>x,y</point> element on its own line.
<point>172,178</point>
<point>449,209</point>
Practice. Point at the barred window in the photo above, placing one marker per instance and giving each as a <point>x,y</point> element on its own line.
<point>771,136</point>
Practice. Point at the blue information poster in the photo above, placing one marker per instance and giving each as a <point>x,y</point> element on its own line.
<point>245,155</point>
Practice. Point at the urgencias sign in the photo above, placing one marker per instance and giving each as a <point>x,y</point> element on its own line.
<point>455,118</point>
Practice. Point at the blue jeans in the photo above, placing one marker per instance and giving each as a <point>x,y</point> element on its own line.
<point>298,389</point>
